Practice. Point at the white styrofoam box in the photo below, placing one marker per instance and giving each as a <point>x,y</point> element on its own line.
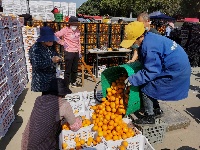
<point>15,21</point>
<point>17,91</point>
<point>7,1</point>
<point>14,81</point>
<point>15,31</point>
<point>29,77</point>
<point>49,17</point>
<point>9,46</point>
<point>65,12</point>
<point>21,63</point>
<point>4,91</point>
<point>6,34</point>
<point>12,70</point>
<point>29,41</point>
<point>5,21</point>
<point>72,5</point>
<point>68,136</point>
<point>30,31</point>
<point>2,54</point>
<point>11,58</point>
<point>72,13</point>
<point>64,6</point>
<point>56,4</point>
<point>5,106</point>
<point>24,10</point>
<point>41,9</point>
<point>6,122</point>
<point>33,3</point>
<point>3,75</point>
<point>23,2</point>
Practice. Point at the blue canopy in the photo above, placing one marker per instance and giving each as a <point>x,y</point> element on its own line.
<point>159,15</point>
<point>82,20</point>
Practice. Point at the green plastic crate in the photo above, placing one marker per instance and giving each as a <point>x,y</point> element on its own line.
<point>112,74</point>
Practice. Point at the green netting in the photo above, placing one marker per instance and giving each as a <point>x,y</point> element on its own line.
<point>112,74</point>
<point>58,17</point>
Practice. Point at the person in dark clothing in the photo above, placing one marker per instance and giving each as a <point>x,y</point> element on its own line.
<point>27,18</point>
<point>43,59</point>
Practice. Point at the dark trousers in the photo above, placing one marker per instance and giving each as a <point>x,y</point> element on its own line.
<point>71,67</point>
<point>149,104</point>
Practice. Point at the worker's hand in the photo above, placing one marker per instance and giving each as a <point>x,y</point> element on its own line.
<point>77,125</point>
<point>56,59</point>
<point>80,56</point>
<point>130,61</point>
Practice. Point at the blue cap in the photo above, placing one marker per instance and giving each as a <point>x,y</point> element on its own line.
<point>46,35</point>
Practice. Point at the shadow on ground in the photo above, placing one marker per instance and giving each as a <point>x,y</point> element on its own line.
<point>16,123</point>
<point>195,89</point>
<point>194,113</point>
<point>186,148</point>
<point>11,132</point>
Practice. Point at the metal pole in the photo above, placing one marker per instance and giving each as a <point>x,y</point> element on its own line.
<point>28,8</point>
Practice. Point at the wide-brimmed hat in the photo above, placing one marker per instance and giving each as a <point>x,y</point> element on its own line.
<point>57,87</point>
<point>73,20</point>
<point>46,35</point>
<point>132,31</point>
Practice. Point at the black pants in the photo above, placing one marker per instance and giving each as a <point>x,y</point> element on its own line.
<point>71,67</point>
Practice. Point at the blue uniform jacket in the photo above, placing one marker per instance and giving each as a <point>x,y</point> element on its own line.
<point>166,69</point>
<point>43,68</point>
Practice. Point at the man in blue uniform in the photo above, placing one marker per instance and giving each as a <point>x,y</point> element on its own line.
<point>166,68</point>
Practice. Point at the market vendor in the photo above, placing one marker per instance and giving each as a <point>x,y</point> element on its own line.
<point>69,38</point>
<point>142,17</point>
<point>43,59</point>
<point>166,68</point>
<point>49,112</point>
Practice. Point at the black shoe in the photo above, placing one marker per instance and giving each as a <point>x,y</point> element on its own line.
<point>76,85</point>
<point>147,119</point>
<point>158,113</point>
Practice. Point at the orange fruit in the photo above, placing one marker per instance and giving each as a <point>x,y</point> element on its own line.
<point>114,132</point>
<point>109,94</point>
<point>100,133</point>
<point>125,143</point>
<point>124,136</point>
<point>90,139</point>
<point>114,110</point>
<point>100,124</point>
<point>100,107</point>
<point>76,139</point>
<point>112,104</point>
<point>109,89</point>
<point>108,108</point>
<point>125,129</point>
<point>94,116</point>
<point>94,142</point>
<point>111,122</point>
<point>112,98</point>
<point>99,129</point>
<point>89,143</point>
<point>107,117</point>
<point>105,121</point>
<point>95,128</point>
<point>115,124</point>
<point>128,134</point>
<point>64,145</point>
<point>104,133</point>
<point>107,103</point>
<point>108,138</point>
<point>103,99</point>
<point>82,141</point>
<point>104,127</point>
<point>115,137</point>
<point>122,147</point>
<point>78,144</point>
<point>112,116</point>
<point>108,131</point>
<point>98,139</point>
<point>118,128</point>
<point>110,127</point>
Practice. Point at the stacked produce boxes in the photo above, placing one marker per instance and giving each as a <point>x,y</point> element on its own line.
<point>30,35</point>
<point>13,74</point>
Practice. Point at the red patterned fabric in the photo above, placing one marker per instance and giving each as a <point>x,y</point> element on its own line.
<point>40,130</point>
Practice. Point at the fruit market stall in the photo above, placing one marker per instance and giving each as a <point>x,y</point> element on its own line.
<point>13,73</point>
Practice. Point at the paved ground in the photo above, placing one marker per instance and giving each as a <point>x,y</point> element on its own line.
<point>182,139</point>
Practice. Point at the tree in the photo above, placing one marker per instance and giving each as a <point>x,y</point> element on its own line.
<point>190,8</point>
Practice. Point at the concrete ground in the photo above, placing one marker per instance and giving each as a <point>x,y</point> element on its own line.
<point>181,139</point>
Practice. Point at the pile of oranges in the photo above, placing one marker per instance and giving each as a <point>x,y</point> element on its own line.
<point>107,116</point>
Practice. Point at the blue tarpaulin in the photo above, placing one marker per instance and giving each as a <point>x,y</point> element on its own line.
<point>159,15</point>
